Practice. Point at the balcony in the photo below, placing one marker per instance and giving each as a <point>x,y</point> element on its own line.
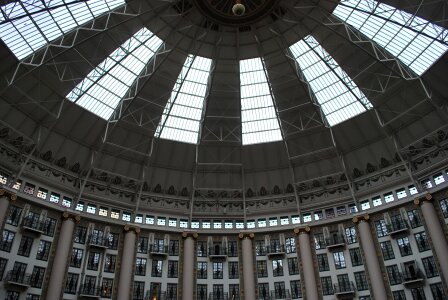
<point>412,277</point>
<point>345,290</point>
<point>217,252</point>
<point>158,251</point>
<point>90,291</point>
<point>397,228</point>
<point>280,294</point>
<point>335,242</point>
<point>218,296</point>
<point>33,225</point>
<point>97,241</point>
<point>275,251</point>
<point>160,296</point>
<point>18,279</point>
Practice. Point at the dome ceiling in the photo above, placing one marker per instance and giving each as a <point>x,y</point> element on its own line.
<point>402,106</point>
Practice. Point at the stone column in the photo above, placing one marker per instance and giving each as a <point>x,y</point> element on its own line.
<point>436,233</point>
<point>127,262</point>
<point>377,286</point>
<point>188,264</point>
<point>62,256</point>
<point>248,265</point>
<point>5,197</point>
<point>306,256</point>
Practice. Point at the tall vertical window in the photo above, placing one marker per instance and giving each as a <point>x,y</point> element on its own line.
<point>258,115</point>
<point>181,118</point>
<point>37,23</point>
<point>322,262</point>
<point>104,87</point>
<point>218,270</point>
<point>43,250</point>
<point>339,260</point>
<point>337,94</point>
<point>138,292</point>
<point>201,272</point>
<point>413,40</point>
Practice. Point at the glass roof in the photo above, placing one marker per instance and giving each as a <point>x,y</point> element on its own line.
<point>339,97</point>
<point>397,31</point>
<point>258,115</point>
<point>183,112</point>
<point>35,23</point>
<point>104,87</point>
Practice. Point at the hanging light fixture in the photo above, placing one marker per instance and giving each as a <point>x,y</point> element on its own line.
<point>238,9</point>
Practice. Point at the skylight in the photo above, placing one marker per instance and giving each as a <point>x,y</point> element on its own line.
<point>182,115</point>
<point>258,116</point>
<point>391,29</point>
<point>33,29</point>
<point>339,97</point>
<point>104,87</point>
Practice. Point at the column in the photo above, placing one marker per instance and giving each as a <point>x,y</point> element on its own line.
<point>436,233</point>
<point>5,197</point>
<point>248,265</point>
<point>306,257</point>
<point>127,262</point>
<point>62,256</point>
<point>377,286</point>
<point>188,264</point>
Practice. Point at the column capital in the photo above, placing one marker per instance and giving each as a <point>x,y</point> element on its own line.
<point>246,234</point>
<point>421,200</point>
<point>69,215</point>
<point>192,234</point>
<point>300,230</point>
<point>10,195</point>
<point>131,227</point>
<point>361,218</point>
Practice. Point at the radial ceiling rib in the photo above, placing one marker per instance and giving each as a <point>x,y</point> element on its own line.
<point>258,117</point>
<point>417,42</point>
<point>181,118</point>
<point>104,87</point>
<point>338,96</point>
<point>34,29</point>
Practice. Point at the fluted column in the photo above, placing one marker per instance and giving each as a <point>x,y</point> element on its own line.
<point>5,198</point>
<point>248,265</point>
<point>436,233</point>
<point>188,264</point>
<point>127,262</point>
<point>62,256</point>
<point>306,255</point>
<point>378,288</point>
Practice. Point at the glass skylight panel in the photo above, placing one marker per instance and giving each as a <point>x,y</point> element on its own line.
<point>391,29</point>
<point>339,97</point>
<point>32,29</point>
<point>258,116</point>
<point>182,115</point>
<point>104,87</point>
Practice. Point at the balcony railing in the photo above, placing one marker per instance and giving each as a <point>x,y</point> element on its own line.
<point>160,251</point>
<point>18,278</point>
<point>90,291</point>
<point>217,252</point>
<point>33,225</point>
<point>98,241</point>
<point>344,290</point>
<point>335,241</point>
<point>397,227</point>
<point>218,296</point>
<point>412,276</point>
<point>150,295</point>
<point>275,250</point>
<point>280,294</point>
